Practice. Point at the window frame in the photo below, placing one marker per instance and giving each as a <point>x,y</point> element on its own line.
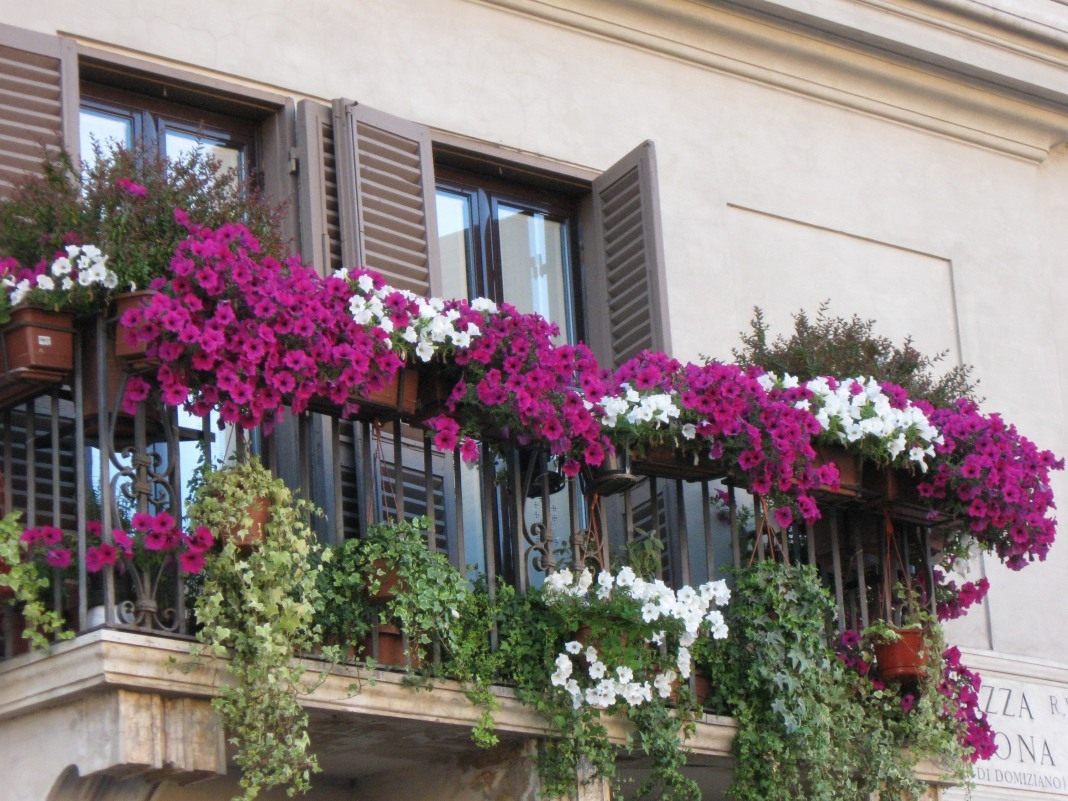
<point>486,192</point>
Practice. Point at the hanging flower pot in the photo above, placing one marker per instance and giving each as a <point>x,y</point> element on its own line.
<point>258,513</point>
<point>534,472</point>
<point>664,461</point>
<point>128,349</point>
<point>389,581</point>
<point>37,346</point>
<point>904,658</point>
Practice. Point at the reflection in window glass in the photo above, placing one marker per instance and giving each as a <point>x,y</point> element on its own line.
<point>534,263</point>
<point>455,241</point>
<point>104,129</point>
<point>178,144</point>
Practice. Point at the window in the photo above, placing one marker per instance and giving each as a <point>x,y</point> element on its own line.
<point>509,242</point>
<point>110,116</point>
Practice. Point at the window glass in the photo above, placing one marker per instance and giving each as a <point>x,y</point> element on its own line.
<point>177,144</point>
<point>456,239</point>
<point>535,263</point>
<point>104,129</point>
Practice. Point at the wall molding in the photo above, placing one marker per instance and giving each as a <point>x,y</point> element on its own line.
<point>1009,99</point>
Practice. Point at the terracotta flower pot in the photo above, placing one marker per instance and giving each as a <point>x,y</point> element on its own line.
<point>391,648</point>
<point>389,583</point>
<point>126,349</point>
<point>260,512</point>
<point>702,689</point>
<point>904,659</point>
<point>5,592</point>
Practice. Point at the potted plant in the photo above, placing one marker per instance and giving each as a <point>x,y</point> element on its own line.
<point>901,652</point>
<point>256,607</point>
<point>518,386</point>
<point>425,333</point>
<point>38,306</point>
<point>717,420</point>
<point>23,585</point>
<point>424,594</point>
<point>639,636</point>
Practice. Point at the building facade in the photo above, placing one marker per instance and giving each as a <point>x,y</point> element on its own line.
<point>659,168</point>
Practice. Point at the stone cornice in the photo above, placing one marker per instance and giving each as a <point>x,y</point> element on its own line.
<point>924,65</point>
<point>107,659</point>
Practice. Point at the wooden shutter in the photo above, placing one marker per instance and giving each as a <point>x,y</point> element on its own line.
<point>38,101</point>
<point>625,276</point>
<point>320,221</point>
<point>386,193</point>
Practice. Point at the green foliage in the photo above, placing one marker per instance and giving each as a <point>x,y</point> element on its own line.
<point>63,206</point>
<point>849,348</point>
<point>28,583</point>
<point>803,730</point>
<point>429,592</point>
<point>431,601</point>
<point>533,633</point>
<point>257,605</point>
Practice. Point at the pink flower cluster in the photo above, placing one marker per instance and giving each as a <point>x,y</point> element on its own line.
<point>960,687</point>
<point>953,601</point>
<point>762,437</point>
<point>995,480</point>
<point>248,335</point>
<point>148,534</point>
<point>516,384</point>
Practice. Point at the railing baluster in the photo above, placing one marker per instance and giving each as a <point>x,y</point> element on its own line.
<point>836,562</point>
<point>684,537</point>
<point>431,501</point>
<point>706,519</point>
<point>29,436</point>
<point>489,533</point>
<point>862,585</point>
<point>335,472</point>
<point>458,511</point>
<point>736,536</point>
<point>80,499</point>
<point>398,473</point>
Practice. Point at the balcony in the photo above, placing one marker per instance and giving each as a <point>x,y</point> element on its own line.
<point>73,456</point>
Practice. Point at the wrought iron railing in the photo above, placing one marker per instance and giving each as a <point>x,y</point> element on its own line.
<point>71,456</point>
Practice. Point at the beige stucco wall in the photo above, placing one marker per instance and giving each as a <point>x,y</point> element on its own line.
<point>769,197</point>
<point>789,173</point>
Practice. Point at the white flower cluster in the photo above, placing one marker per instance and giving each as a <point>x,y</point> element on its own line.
<point>857,410</point>
<point>602,687</point>
<point>658,408</point>
<point>431,332</point>
<point>84,266</point>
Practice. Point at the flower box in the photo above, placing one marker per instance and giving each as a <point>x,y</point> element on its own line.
<point>399,397</point>
<point>850,470</point>
<point>36,348</point>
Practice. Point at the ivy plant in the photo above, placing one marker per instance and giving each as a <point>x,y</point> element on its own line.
<point>256,606</point>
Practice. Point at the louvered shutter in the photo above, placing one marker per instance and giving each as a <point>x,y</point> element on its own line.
<point>385,174</point>
<point>625,271</point>
<point>38,100</point>
<point>320,222</point>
